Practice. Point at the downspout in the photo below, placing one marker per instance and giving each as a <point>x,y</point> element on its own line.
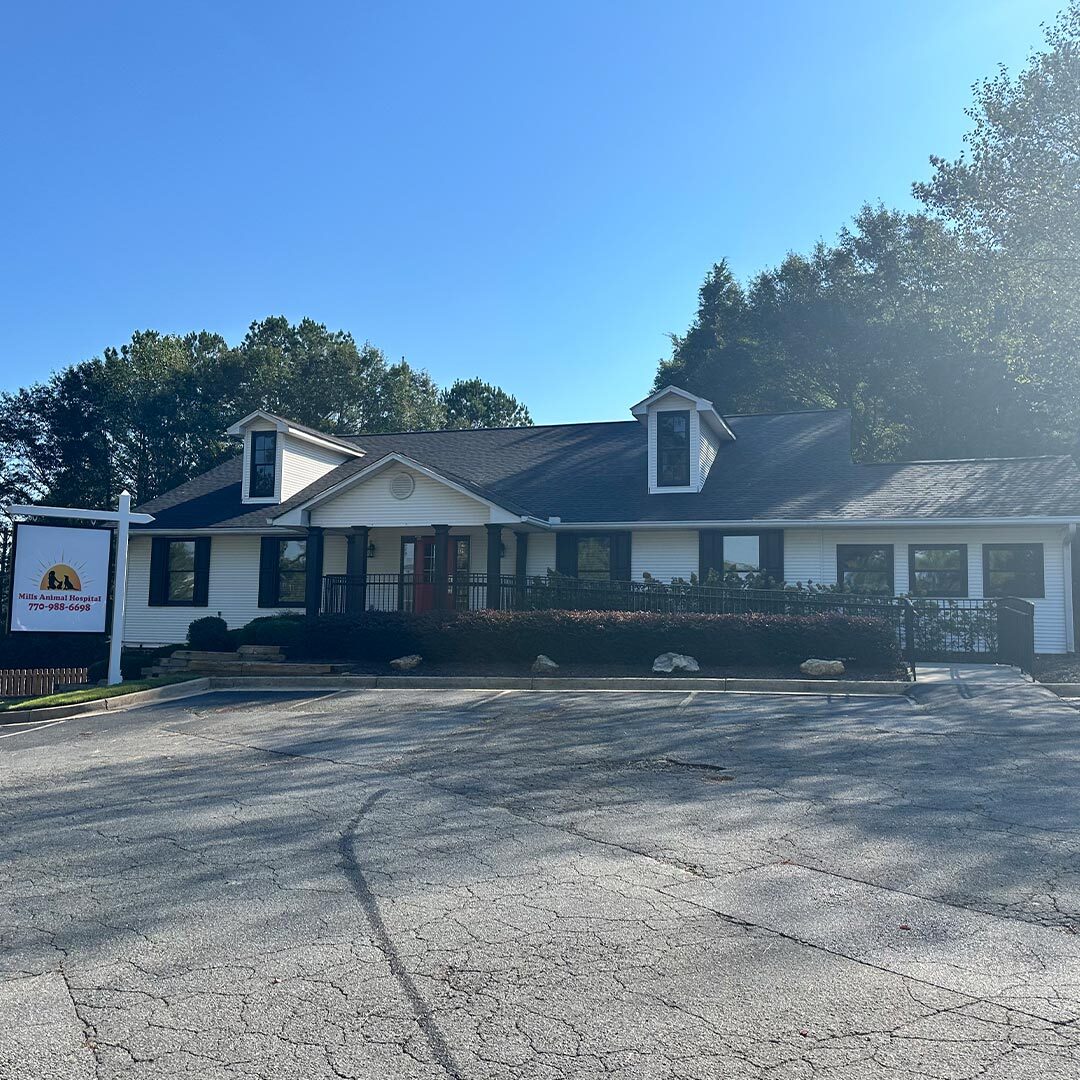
<point>1072,591</point>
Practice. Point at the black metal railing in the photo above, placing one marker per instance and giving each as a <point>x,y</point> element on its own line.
<point>927,629</point>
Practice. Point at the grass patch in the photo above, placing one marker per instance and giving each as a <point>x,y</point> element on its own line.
<point>92,693</point>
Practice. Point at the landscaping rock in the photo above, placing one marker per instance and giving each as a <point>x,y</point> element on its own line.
<point>668,662</point>
<point>406,663</point>
<point>543,664</point>
<point>822,667</point>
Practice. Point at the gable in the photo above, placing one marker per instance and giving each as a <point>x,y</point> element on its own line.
<point>385,498</point>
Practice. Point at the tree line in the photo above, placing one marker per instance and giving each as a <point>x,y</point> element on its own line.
<point>951,331</point>
<point>151,414</point>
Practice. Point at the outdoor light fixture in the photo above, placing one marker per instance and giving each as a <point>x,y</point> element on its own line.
<point>371,550</point>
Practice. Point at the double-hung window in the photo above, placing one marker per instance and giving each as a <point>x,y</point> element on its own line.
<point>1013,570</point>
<point>282,573</point>
<point>180,588</point>
<point>594,558</point>
<point>291,572</point>
<point>865,568</point>
<point>262,475</point>
<point>673,449</point>
<point>938,570</point>
<point>179,572</point>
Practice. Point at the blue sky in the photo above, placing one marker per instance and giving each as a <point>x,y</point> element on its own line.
<point>529,193</point>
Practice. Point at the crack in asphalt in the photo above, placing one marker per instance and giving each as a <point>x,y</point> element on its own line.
<point>353,871</point>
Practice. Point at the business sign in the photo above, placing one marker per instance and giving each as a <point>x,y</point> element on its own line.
<point>61,579</point>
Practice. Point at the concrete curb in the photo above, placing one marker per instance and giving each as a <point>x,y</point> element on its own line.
<point>194,687</point>
<point>116,704</point>
<point>503,682</point>
<point>1062,689</point>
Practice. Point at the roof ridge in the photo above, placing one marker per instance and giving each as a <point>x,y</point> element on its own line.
<point>465,431</point>
<point>962,460</point>
<point>792,412</point>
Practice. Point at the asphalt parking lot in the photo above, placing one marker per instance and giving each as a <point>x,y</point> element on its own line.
<point>544,885</point>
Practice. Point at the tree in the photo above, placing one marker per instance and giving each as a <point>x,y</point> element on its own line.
<point>473,403</point>
<point>151,414</point>
<point>952,332</point>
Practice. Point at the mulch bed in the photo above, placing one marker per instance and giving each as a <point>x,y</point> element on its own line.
<point>624,671</point>
<point>1057,669</point>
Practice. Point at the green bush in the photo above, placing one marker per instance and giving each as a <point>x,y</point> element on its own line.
<point>209,634</point>
<point>284,630</point>
<point>602,637</point>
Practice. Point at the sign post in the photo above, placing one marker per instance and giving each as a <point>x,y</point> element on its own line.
<point>49,609</point>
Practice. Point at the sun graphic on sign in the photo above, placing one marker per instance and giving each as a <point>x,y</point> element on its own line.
<point>62,576</point>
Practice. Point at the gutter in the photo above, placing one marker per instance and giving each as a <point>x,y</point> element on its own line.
<point>810,523</point>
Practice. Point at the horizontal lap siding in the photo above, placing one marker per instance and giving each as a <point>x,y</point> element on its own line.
<point>810,554</point>
<point>233,592</point>
<point>302,464</point>
<point>369,502</point>
<point>664,553</point>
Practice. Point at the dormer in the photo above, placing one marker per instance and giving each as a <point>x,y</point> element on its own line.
<point>282,457</point>
<point>684,433</point>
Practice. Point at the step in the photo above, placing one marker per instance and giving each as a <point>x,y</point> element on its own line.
<point>256,667</point>
<point>199,654</point>
<point>261,652</point>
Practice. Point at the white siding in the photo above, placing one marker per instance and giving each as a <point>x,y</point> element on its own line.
<point>301,463</point>
<point>233,593</point>
<point>541,554</point>
<point>664,553</point>
<point>810,554</point>
<point>707,454</point>
<point>370,502</point>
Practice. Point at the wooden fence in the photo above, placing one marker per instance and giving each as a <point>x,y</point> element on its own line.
<point>33,682</point>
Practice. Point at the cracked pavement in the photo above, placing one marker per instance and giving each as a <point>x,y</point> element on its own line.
<point>480,884</point>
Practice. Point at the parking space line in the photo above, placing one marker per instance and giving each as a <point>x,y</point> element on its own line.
<point>38,727</point>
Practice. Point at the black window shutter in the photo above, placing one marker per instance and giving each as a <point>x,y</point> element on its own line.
<point>772,554</point>
<point>566,554</point>
<point>710,553</point>
<point>201,596</point>
<point>620,556</point>
<point>268,571</point>
<point>159,571</point>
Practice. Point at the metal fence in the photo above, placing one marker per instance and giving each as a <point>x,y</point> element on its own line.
<point>987,630</point>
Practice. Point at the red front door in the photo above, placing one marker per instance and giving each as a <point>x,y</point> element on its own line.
<point>425,577</point>
<point>457,561</point>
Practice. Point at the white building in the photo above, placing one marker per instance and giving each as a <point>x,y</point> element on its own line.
<point>303,520</point>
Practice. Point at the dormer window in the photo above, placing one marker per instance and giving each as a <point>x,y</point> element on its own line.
<point>673,448</point>
<point>262,480</point>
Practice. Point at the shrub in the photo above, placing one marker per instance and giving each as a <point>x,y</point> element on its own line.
<point>601,637</point>
<point>210,634</point>
<point>284,630</point>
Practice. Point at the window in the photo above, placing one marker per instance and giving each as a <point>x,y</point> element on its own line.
<point>673,449</point>
<point>1013,570</point>
<point>937,570</point>
<point>262,479</point>
<point>742,555</point>
<point>865,568</point>
<point>291,573</point>
<point>594,558</point>
<point>181,572</point>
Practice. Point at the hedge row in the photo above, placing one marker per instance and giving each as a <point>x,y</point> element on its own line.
<point>580,636</point>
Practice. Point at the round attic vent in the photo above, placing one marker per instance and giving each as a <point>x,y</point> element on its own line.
<point>402,485</point>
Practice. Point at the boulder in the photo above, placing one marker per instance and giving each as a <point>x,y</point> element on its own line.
<point>822,667</point>
<point>406,663</point>
<point>669,662</point>
<point>543,664</point>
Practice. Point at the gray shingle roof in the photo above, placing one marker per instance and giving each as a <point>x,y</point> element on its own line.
<point>782,467</point>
